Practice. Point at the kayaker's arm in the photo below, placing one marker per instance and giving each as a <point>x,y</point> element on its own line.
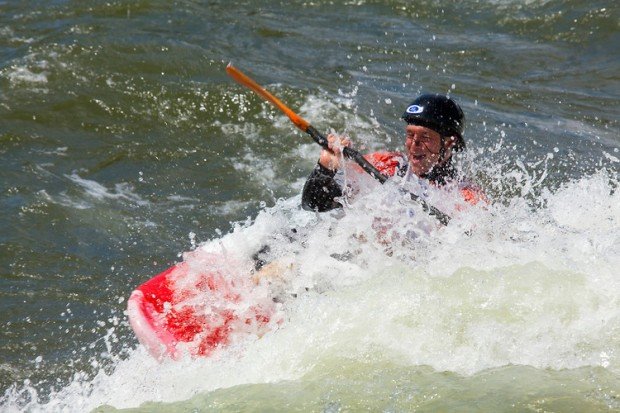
<point>320,190</point>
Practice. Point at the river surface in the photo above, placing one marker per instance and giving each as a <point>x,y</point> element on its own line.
<point>124,144</point>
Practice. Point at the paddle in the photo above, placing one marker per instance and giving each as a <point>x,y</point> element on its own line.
<point>303,124</point>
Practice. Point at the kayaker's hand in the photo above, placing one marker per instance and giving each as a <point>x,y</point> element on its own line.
<point>332,160</point>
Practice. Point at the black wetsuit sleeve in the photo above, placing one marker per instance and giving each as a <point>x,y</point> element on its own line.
<point>320,190</point>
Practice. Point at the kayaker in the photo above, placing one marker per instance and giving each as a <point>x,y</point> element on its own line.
<point>434,132</point>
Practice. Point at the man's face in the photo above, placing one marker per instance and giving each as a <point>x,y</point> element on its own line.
<point>423,148</point>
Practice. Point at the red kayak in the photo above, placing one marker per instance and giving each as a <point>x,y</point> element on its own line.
<point>204,303</point>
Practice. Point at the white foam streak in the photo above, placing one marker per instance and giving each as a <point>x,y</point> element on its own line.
<point>122,191</point>
<point>24,75</point>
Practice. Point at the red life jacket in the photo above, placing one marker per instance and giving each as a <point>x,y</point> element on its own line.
<point>389,163</point>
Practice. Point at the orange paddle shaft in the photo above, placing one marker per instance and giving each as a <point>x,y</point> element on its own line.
<point>301,123</point>
<point>251,84</point>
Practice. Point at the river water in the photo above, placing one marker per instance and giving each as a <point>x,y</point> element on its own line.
<point>124,144</point>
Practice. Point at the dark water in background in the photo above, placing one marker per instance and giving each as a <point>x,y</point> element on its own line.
<point>123,142</point>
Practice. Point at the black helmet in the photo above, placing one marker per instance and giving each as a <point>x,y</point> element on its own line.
<point>439,113</point>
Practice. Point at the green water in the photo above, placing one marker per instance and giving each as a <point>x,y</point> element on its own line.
<point>343,386</point>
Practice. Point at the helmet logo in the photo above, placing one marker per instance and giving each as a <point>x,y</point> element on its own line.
<point>414,109</point>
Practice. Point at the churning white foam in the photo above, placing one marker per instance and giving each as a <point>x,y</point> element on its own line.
<point>503,284</point>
